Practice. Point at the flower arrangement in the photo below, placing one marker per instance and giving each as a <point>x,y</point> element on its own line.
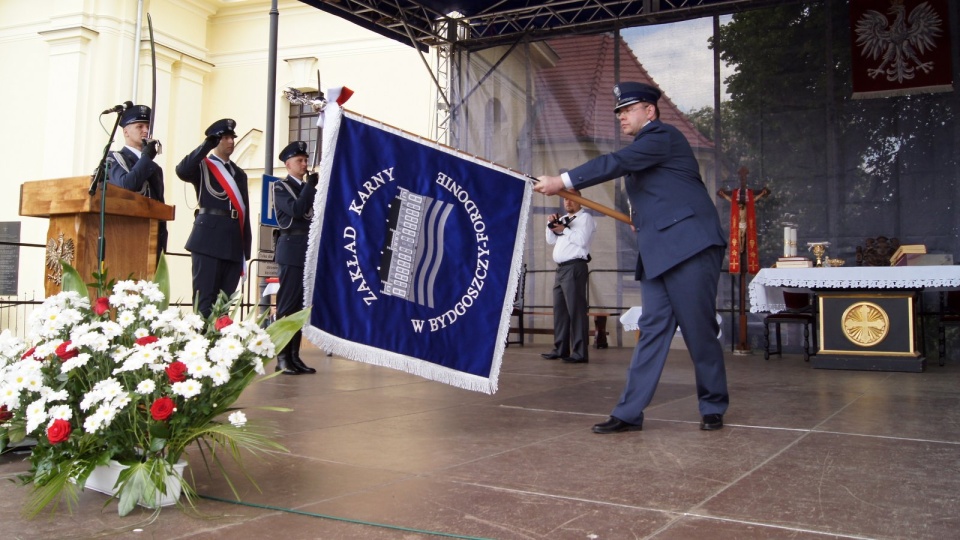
<point>126,377</point>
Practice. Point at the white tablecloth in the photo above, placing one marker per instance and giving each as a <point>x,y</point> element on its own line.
<point>766,289</point>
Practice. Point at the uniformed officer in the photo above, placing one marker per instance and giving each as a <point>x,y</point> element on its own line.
<point>293,200</point>
<point>133,167</point>
<point>220,241</point>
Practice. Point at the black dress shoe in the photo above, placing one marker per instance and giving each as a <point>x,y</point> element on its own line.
<point>298,365</point>
<point>575,361</point>
<point>550,355</point>
<point>711,422</point>
<point>286,368</point>
<point>615,425</point>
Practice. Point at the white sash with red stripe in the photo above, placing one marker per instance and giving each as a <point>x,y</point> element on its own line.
<point>229,185</point>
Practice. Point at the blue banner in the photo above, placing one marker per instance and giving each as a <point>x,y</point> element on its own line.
<point>415,256</point>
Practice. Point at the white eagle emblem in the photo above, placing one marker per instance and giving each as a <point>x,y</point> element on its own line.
<point>901,43</point>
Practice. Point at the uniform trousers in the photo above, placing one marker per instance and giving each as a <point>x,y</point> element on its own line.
<point>212,275</point>
<point>684,296</point>
<point>571,331</point>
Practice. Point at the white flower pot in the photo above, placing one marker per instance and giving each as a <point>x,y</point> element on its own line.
<point>103,479</point>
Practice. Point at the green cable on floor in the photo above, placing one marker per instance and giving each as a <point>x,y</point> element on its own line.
<point>347,520</point>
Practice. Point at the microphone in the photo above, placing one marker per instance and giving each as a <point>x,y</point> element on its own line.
<point>119,108</point>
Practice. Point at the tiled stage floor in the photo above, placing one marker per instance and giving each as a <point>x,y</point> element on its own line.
<point>378,454</point>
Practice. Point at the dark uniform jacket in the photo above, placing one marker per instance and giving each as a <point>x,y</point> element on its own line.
<point>673,213</point>
<point>141,175</point>
<point>294,212</point>
<point>217,233</point>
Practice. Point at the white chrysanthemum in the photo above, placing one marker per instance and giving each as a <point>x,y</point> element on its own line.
<point>126,318</point>
<point>166,318</point>
<point>229,348</point>
<point>60,412</point>
<point>94,422</point>
<point>119,403</point>
<point>36,415</point>
<point>193,321</point>
<point>261,344</point>
<point>111,329</point>
<point>9,396</point>
<point>92,340</point>
<point>257,364</point>
<point>146,386</point>
<point>149,312</point>
<point>125,286</point>
<point>70,317</point>
<point>239,330</point>
<point>51,396</point>
<point>198,368</point>
<point>139,357</point>
<point>33,382</point>
<point>10,345</point>
<point>219,375</point>
<point>110,388</point>
<point>79,360</point>
<point>151,291</point>
<point>141,333</point>
<point>237,418</point>
<point>187,388</point>
<point>90,399</point>
<point>46,348</point>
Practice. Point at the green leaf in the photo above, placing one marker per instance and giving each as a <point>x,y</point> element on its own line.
<point>162,279</point>
<point>282,331</point>
<point>72,281</point>
<point>157,444</point>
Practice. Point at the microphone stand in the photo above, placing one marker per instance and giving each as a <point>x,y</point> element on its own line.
<point>100,176</point>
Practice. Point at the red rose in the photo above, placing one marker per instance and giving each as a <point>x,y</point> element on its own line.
<point>177,371</point>
<point>162,409</point>
<point>65,354</point>
<point>5,414</point>
<point>58,431</point>
<point>29,353</point>
<point>146,340</point>
<point>222,323</point>
<point>102,305</point>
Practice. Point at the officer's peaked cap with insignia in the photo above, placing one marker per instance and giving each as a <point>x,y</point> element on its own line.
<point>224,126</point>
<point>137,113</point>
<point>296,148</point>
<point>628,93</point>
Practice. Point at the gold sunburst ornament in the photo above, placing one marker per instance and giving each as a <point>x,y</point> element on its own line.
<point>865,324</point>
<point>58,249</point>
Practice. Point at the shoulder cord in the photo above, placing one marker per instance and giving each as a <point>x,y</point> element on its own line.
<point>118,157</point>
<point>292,194</point>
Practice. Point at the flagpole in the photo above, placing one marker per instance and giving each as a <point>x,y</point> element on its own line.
<point>593,205</point>
<point>605,210</point>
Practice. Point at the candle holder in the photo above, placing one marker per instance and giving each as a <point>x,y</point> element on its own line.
<point>819,249</point>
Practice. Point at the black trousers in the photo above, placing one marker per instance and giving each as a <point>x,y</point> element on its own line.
<point>210,276</point>
<point>571,331</point>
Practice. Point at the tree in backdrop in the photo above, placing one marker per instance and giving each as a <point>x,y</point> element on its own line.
<point>845,169</point>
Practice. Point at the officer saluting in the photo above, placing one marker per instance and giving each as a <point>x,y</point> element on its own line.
<point>293,200</point>
<point>220,241</point>
<point>133,167</point>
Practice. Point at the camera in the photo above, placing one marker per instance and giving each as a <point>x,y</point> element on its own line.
<point>562,220</point>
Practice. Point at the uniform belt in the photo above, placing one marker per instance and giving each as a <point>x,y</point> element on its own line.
<point>295,232</point>
<point>232,213</point>
<point>571,261</point>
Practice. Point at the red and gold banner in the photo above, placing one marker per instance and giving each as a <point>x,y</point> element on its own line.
<point>746,241</point>
<point>900,47</point>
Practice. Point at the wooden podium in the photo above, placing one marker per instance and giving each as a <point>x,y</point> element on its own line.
<point>130,228</point>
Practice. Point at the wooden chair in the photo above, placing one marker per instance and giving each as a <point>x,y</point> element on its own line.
<point>949,315</point>
<point>877,251</point>
<point>799,309</point>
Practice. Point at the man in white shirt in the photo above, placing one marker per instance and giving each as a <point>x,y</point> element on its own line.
<point>570,236</point>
